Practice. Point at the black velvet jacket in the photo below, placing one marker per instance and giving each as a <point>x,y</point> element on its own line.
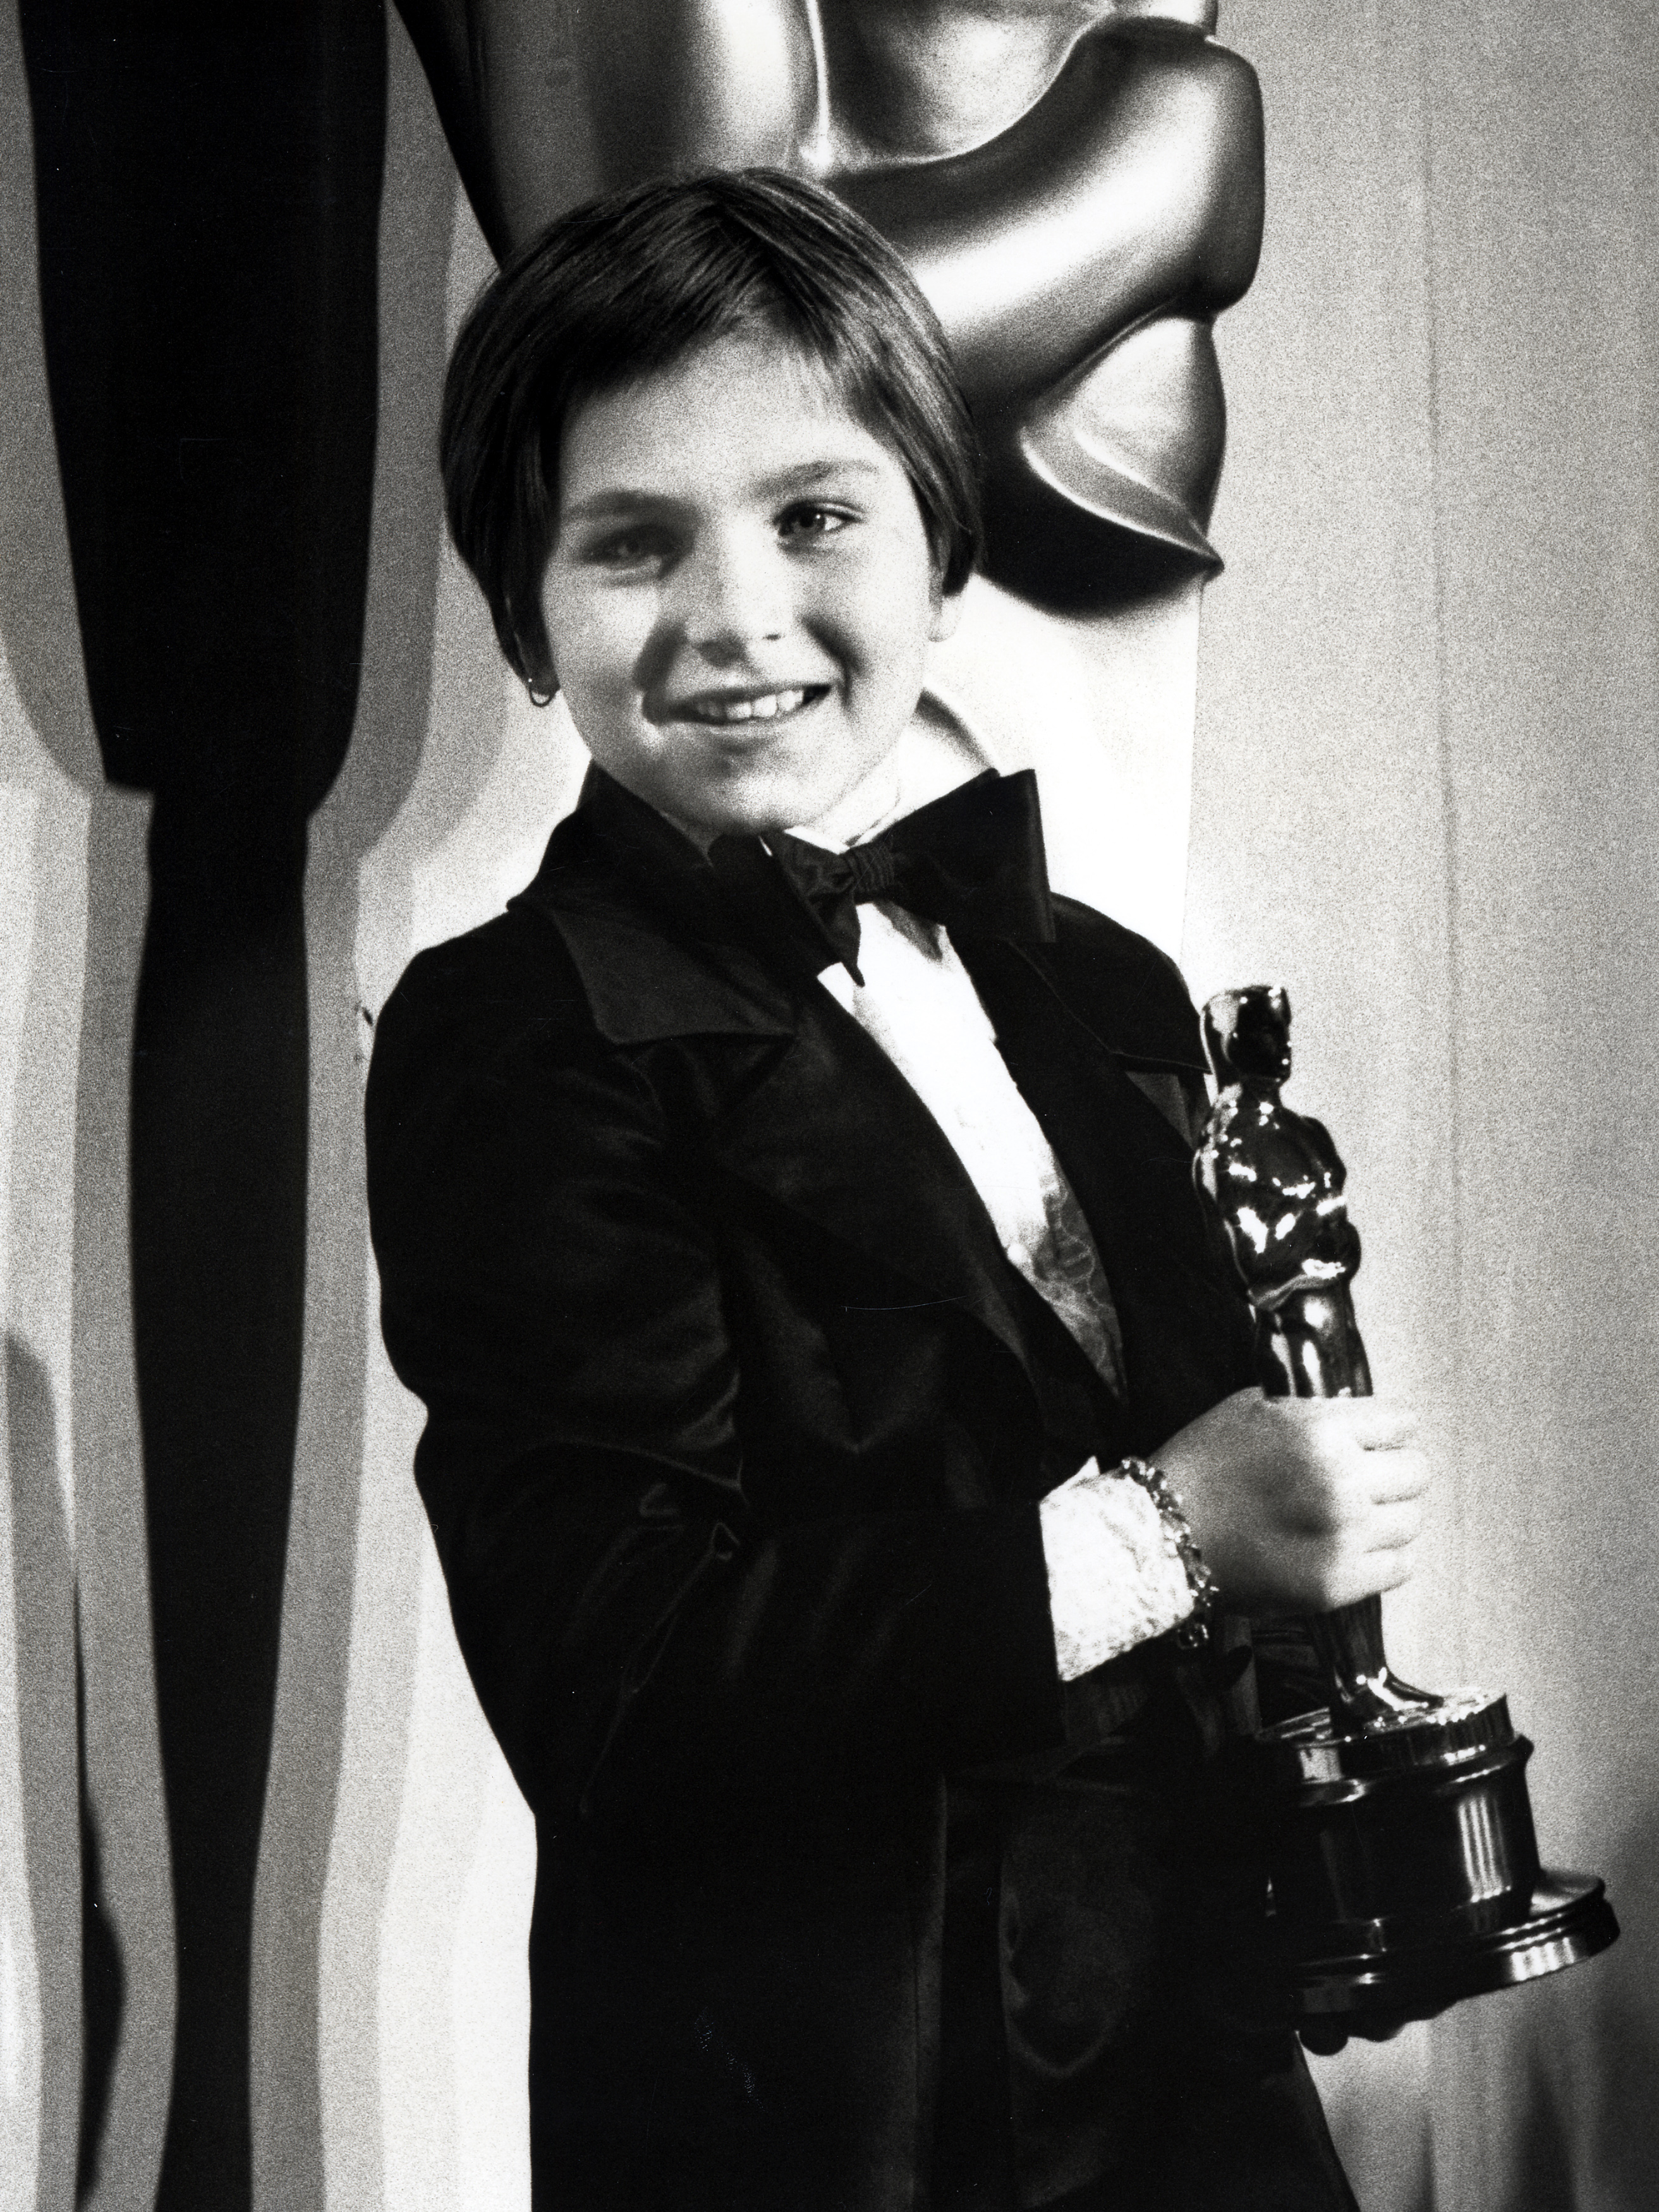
<point>737,1419</point>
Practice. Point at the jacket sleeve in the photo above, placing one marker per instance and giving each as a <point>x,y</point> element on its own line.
<point>551,1289</point>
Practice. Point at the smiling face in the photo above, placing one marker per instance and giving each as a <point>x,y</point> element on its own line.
<point>741,591</point>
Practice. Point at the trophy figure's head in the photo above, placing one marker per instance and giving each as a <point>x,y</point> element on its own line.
<point>1247,1034</point>
<point>1274,1182</point>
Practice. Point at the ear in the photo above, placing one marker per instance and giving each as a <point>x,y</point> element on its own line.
<point>947,613</point>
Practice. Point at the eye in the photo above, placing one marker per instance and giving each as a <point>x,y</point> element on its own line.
<point>811,518</point>
<point>629,546</point>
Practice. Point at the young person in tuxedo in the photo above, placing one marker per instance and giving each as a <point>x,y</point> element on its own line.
<point>785,1211</point>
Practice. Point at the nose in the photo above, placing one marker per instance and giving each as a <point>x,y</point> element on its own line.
<point>734,594</point>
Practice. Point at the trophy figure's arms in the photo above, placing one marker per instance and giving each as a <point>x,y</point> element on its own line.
<point>1077,185</point>
<point>1078,190</point>
<point>1131,189</point>
<point>1129,184</point>
<point>916,79</point>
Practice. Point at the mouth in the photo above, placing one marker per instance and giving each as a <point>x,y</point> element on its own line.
<point>723,710</point>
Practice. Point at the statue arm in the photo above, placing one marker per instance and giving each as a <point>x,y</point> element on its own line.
<point>1133,187</point>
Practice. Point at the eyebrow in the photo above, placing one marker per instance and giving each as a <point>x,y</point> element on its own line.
<point>622,499</point>
<point>816,472</point>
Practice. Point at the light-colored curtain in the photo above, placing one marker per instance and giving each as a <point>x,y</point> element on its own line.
<point>1425,798</point>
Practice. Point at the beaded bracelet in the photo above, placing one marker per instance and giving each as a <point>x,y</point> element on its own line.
<point>1182,1545</point>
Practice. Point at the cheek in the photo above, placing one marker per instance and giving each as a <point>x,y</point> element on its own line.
<point>883,613</point>
<point>598,638</point>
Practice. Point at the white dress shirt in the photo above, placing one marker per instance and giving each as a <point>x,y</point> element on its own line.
<point>1114,1578</point>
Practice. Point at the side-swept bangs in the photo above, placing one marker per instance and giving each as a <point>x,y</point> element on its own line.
<point>627,285</point>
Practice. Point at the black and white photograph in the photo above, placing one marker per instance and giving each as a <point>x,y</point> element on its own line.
<point>827,1019</point>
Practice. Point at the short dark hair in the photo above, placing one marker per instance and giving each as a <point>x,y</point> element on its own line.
<point>626,285</point>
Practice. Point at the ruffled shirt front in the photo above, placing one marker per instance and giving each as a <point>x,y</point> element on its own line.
<point>1115,1579</point>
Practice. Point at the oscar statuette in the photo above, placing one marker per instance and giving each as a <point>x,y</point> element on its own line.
<point>1397,1826</point>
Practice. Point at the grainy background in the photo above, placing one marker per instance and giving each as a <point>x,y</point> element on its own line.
<point>1424,797</point>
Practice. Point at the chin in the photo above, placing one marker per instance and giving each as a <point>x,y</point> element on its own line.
<point>773,804</point>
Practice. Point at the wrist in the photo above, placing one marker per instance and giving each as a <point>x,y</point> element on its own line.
<point>1181,1545</point>
<point>1121,1563</point>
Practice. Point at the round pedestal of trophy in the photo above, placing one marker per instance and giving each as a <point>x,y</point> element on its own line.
<point>1566,1919</point>
<point>1404,1869</point>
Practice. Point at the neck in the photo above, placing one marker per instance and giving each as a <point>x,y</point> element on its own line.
<point>935,754</point>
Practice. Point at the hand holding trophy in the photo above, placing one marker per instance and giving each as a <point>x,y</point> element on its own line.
<point>1398,1832</point>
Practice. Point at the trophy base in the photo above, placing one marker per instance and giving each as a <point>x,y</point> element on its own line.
<point>1404,1876</point>
<point>1567,1920</point>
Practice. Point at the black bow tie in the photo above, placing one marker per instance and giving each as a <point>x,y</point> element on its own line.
<point>973,860</point>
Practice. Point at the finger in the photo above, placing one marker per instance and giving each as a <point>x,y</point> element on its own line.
<point>1390,1527</point>
<point>1356,1574</point>
<point>1367,1509</point>
<point>1361,1483</point>
<point>1391,1477</point>
<point>1378,1423</point>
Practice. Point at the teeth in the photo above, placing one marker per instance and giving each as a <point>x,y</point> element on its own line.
<point>766,709</point>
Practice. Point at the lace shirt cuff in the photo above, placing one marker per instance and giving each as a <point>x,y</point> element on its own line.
<point>1113,1578</point>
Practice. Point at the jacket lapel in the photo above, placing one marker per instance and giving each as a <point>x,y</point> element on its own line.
<point>1187,1335</point>
<point>819,1120</point>
<point>834,1133</point>
<point>826,1128</point>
